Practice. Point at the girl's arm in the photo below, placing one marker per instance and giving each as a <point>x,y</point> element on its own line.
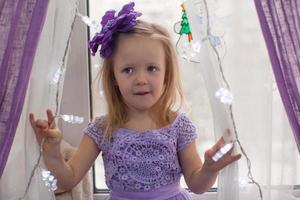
<point>200,177</point>
<point>68,174</point>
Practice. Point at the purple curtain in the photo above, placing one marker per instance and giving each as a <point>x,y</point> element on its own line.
<point>21,22</point>
<point>280,24</point>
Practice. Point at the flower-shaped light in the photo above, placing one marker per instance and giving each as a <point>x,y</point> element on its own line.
<point>72,119</point>
<point>50,181</point>
<point>225,96</point>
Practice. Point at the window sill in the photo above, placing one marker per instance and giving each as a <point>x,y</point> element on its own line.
<point>274,194</point>
<point>205,196</point>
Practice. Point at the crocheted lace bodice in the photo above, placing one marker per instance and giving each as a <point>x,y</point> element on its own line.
<point>143,161</point>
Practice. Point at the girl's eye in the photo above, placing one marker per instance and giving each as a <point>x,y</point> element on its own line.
<point>128,70</point>
<point>152,68</point>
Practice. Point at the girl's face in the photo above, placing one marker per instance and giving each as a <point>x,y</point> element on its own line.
<point>139,70</point>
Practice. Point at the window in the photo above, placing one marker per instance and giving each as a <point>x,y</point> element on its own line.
<point>248,70</point>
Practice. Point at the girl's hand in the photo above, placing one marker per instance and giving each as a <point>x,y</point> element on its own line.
<point>47,129</point>
<point>210,165</point>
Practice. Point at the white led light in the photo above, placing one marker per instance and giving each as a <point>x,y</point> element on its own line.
<point>50,180</point>
<point>59,73</point>
<point>222,151</point>
<point>72,119</point>
<point>88,21</point>
<point>224,95</point>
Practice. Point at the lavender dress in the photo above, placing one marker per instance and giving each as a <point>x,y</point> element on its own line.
<point>144,165</point>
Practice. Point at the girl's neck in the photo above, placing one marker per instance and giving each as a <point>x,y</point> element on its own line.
<point>140,121</point>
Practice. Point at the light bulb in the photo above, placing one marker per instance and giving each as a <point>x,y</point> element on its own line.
<point>88,21</point>
<point>49,180</point>
<point>215,40</point>
<point>222,151</point>
<point>57,75</point>
<point>224,95</point>
<point>72,119</point>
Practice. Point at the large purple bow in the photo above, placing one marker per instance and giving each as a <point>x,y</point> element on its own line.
<point>123,22</point>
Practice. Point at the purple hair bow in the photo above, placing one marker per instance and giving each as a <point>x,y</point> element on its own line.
<point>111,24</point>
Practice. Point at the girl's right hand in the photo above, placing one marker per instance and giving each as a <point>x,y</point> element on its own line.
<point>47,129</point>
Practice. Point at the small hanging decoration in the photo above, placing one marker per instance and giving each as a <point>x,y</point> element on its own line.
<point>185,25</point>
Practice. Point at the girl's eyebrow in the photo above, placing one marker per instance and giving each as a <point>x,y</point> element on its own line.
<point>152,63</point>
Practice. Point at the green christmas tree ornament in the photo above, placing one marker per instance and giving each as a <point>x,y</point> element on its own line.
<point>185,25</point>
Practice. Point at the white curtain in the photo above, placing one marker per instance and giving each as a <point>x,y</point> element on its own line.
<point>261,121</point>
<point>40,96</point>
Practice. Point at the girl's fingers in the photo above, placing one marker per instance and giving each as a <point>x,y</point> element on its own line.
<point>231,158</point>
<point>220,143</point>
<point>42,124</point>
<point>51,121</point>
<point>31,119</point>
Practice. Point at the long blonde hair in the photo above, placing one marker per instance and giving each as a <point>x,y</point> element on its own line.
<point>116,112</point>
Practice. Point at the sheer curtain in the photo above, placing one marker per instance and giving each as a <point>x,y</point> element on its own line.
<point>40,95</point>
<point>261,121</point>
<point>280,25</point>
<point>20,27</point>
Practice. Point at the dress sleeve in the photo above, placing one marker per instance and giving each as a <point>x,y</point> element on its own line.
<point>95,132</point>
<point>186,132</point>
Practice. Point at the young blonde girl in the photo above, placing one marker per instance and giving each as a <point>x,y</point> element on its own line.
<point>146,145</point>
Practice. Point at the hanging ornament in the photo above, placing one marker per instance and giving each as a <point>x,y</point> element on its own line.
<point>185,25</point>
<point>189,50</point>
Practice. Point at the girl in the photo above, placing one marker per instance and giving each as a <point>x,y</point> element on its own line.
<point>146,145</point>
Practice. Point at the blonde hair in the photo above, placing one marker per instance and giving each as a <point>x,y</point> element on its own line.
<point>116,113</point>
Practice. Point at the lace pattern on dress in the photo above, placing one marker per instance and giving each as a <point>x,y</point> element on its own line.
<point>143,161</point>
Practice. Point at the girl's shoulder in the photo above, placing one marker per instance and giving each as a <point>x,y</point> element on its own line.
<point>180,118</point>
<point>95,130</point>
<point>96,124</point>
<point>99,120</point>
<point>185,131</point>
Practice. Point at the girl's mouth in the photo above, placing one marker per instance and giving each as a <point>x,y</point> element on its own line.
<point>141,93</point>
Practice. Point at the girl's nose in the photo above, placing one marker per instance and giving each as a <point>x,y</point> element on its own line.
<point>141,78</point>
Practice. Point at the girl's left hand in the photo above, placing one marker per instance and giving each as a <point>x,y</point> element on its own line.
<point>210,165</point>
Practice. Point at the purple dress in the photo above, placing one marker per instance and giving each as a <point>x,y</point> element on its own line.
<point>144,165</point>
